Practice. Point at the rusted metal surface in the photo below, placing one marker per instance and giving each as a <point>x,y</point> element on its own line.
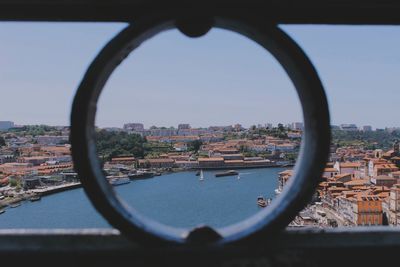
<point>312,158</point>
<point>277,11</point>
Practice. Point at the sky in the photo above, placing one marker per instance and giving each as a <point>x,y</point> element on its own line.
<point>219,79</point>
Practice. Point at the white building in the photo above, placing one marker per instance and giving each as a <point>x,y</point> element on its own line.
<point>51,140</point>
<point>287,147</point>
<point>297,126</point>
<point>347,167</point>
<point>183,126</point>
<point>367,128</point>
<point>163,132</point>
<point>258,148</point>
<point>294,135</point>
<point>137,127</point>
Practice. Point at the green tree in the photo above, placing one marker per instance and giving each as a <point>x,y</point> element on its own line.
<point>195,145</point>
<point>2,141</point>
<point>13,183</point>
<point>112,144</point>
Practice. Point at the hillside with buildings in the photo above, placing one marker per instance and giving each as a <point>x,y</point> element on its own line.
<point>359,187</point>
<point>360,184</point>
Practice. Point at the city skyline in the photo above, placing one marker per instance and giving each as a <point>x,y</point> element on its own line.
<point>192,126</point>
<point>225,86</point>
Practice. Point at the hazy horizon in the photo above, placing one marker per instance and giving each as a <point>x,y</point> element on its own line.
<point>219,79</point>
<point>197,126</point>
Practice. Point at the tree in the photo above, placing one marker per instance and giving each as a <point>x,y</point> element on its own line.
<point>243,148</point>
<point>112,144</point>
<point>13,183</point>
<point>195,145</point>
<point>2,141</point>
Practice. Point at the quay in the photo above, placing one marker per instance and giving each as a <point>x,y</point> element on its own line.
<point>11,201</point>
<point>239,167</point>
<point>56,189</point>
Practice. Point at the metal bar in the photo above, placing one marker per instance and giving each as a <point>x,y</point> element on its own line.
<point>105,247</point>
<point>89,240</point>
<point>277,11</point>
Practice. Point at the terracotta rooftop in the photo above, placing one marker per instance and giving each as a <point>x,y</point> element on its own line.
<point>330,170</point>
<point>384,177</point>
<point>338,176</point>
<point>350,165</point>
<point>123,159</point>
<point>234,161</point>
<point>358,182</point>
<point>211,159</point>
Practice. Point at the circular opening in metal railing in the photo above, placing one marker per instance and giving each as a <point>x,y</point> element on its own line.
<point>312,156</point>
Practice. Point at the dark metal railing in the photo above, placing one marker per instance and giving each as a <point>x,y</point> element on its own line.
<point>315,142</point>
<point>277,11</point>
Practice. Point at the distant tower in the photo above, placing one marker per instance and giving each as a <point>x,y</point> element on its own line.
<point>396,148</point>
<point>378,153</point>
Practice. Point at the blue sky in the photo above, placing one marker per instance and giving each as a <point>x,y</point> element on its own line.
<point>221,78</point>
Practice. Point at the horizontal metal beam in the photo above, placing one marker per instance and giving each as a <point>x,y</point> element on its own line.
<point>104,247</point>
<point>276,11</point>
<point>305,238</point>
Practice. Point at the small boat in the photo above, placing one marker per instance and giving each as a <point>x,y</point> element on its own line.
<point>119,181</point>
<point>201,176</point>
<point>277,191</point>
<point>35,198</point>
<point>2,211</point>
<point>238,176</point>
<point>14,205</point>
<point>261,202</point>
<point>227,173</point>
<point>141,174</point>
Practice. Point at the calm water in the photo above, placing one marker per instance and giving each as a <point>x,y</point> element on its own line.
<point>177,199</point>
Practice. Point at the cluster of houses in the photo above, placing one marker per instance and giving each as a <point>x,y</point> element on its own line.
<point>225,154</point>
<point>227,159</point>
<point>36,161</point>
<point>363,191</point>
<point>214,135</point>
<point>183,129</point>
<point>262,144</point>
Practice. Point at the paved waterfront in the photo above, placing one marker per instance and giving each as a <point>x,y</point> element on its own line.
<point>177,199</point>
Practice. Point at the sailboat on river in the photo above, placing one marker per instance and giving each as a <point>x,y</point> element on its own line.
<point>201,175</point>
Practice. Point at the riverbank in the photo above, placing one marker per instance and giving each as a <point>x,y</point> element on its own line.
<point>8,201</point>
<point>241,167</point>
<point>50,190</point>
<point>56,189</point>
<point>177,199</point>
<point>27,195</point>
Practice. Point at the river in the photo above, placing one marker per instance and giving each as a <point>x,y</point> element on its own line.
<point>176,199</point>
